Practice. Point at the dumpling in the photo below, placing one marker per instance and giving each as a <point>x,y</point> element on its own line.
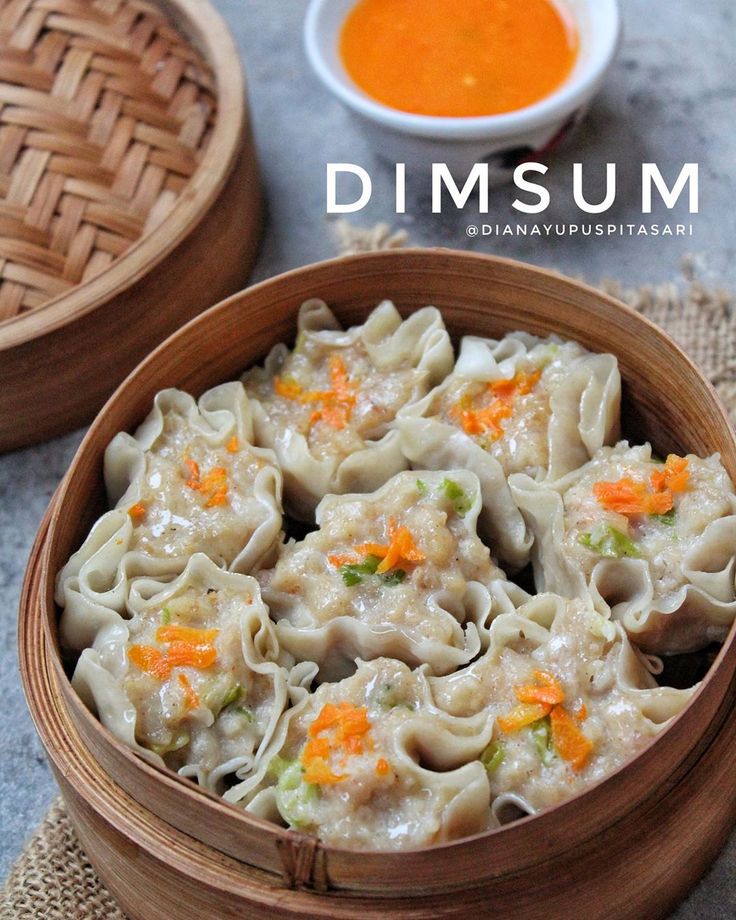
<point>398,572</point>
<point>655,542</point>
<point>520,404</point>
<point>188,481</point>
<point>194,679</point>
<point>370,763</point>
<point>571,700</point>
<point>326,407</point>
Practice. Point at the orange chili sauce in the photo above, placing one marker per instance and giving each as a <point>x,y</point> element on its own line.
<point>458,57</point>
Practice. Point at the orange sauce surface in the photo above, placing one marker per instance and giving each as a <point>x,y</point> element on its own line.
<point>458,57</point>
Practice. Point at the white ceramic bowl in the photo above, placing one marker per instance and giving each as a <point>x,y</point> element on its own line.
<point>501,140</point>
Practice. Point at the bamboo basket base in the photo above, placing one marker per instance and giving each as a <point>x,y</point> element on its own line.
<point>641,866</point>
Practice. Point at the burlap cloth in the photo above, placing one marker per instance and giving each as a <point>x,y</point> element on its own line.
<point>52,879</point>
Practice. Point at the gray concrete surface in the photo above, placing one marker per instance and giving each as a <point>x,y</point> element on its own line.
<point>669,99</point>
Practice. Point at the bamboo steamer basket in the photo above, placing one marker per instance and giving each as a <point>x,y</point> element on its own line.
<point>629,847</point>
<point>126,156</point>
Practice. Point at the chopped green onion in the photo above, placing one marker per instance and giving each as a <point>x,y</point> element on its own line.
<point>232,694</point>
<point>460,499</point>
<point>293,795</point>
<point>492,757</point>
<point>542,735</point>
<point>279,765</point>
<point>421,487</point>
<point>165,616</point>
<point>667,518</point>
<point>350,575</point>
<point>609,542</point>
<point>354,572</point>
<point>393,578</point>
<point>242,711</point>
<point>291,777</point>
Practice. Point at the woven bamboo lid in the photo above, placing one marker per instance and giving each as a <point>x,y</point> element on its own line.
<point>113,162</point>
<point>106,112</point>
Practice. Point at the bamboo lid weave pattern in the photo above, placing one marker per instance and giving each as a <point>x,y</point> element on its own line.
<point>105,112</point>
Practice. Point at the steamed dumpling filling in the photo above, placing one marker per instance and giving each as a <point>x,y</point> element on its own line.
<point>369,763</point>
<point>333,395</point>
<point>327,408</point>
<point>570,698</point>
<point>516,405</point>
<point>509,416</point>
<point>625,503</point>
<point>197,700</point>
<point>198,496</point>
<point>399,560</point>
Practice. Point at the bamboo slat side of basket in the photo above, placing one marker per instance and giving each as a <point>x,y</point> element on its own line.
<point>105,113</point>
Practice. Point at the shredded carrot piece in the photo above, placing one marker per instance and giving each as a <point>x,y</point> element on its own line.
<point>317,747</point>
<point>213,484</point>
<point>287,387</point>
<point>233,445</point>
<point>190,694</point>
<point>187,646</point>
<point>217,498</point>
<point>488,419</point>
<point>675,475</point>
<point>193,466</point>
<point>519,385</point>
<point>571,744</point>
<point>194,656</point>
<point>544,698</point>
<point>338,729</point>
<point>137,511</point>
<point>353,744</point>
<point>175,633</point>
<point>339,375</point>
<point>382,767</point>
<point>346,718</point>
<point>522,715</point>
<point>626,496</point>
<point>337,403</point>
<point>318,771</point>
<point>546,690</point>
<point>338,559</point>
<point>328,717</point>
<point>400,548</point>
<point>332,414</point>
<point>150,660</point>
<point>372,549</point>
<point>483,421</point>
